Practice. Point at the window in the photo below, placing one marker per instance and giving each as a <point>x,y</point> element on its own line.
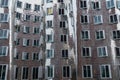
<point>85,35</point>
<point>19,4</point>
<point>26,29</point>
<point>98,19</point>
<point>65,53</point>
<point>105,71</point>
<point>62,24</point>
<point>16,56</point>
<point>49,38</point>
<point>4,34</point>
<point>16,72</point>
<point>86,51</point>
<point>64,38</point>
<point>118,4</point>
<point>48,1</point>
<point>49,24</point>
<point>17,28</point>
<point>25,56</point>
<point>26,42</point>
<point>36,30</point>
<point>66,71</point>
<point>60,1</point>
<point>17,42</point>
<point>3,50</point>
<point>36,18</point>
<point>35,42</point>
<point>113,18</point>
<point>87,71</point>
<point>27,6</point>
<point>102,51</point>
<point>117,51</point>
<point>110,4</point>
<point>3,71</point>
<point>3,17</point>
<point>4,3</point>
<point>18,15</point>
<point>50,53</point>
<point>83,4</point>
<point>49,11</point>
<point>35,72</point>
<point>50,71</point>
<point>61,12</point>
<point>37,8</point>
<point>27,17</point>
<point>96,5</point>
<point>25,73</point>
<point>100,34</point>
<point>84,19</point>
<point>35,56</point>
<point>116,34</point>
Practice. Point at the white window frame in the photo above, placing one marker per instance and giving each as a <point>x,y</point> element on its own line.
<point>110,4</point>
<point>116,51</point>
<point>4,3</point>
<point>24,74</point>
<point>99,34</point>
<point>24,54</point>
<point>63,36</point>
<point>66,72</point>
<point>86,51</point>
<point>51,54</point>
<point>66,54</point>
<point>2,49</point>
<point>118,4</point>
<point>51,66</point>
<point>98,19</point>
<point>113,16</point>
<point>4,31</point>
<point>52,38</point>
<point>102,51</point>
<point>49,23</point>
<point>84,22</point>
<point>6,72</point>
<point>4,17</point>
<point>94,5</point>
<point>83,7</point>
<point>116,36</point>
<point>25,42</point>
<point>83,37</point>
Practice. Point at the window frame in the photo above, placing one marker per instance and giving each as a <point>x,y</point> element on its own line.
<point>101,50</point>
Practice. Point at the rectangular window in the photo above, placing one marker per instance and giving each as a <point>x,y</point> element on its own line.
<point>36,30</point>
<point>3,50</point>
<point>48,1</point>
<point>105,71</point>
<point>98,19</point>
<point>83,4</point>
<point>25,55</point>
<point>17,42</point>
<point>37,8</point>
<point>50,53</point>
<point>61,11</point>
<point>49,11</point>
<point>27,17</point>
<point>118,4</point>
<point>87,71</point>
<point>25,73</point>
<point>27,6</point>
<point>35,42</point>
<point>3,71</point>
<point>85,35</point>
<point>86,51</point>
<point>36,18</point>
<point>96,5</point>
<point>18,15</point>
<point>64,38</point>
<point>4,3</point>
<point>19,4</point>
<point>26,29</point>
<point>102,51</point>
<point>4,33</point>
<point>49,23</point>
<point>26,42</point>
<point>60,1</point>
<point>16,72</point>
<point>117,51</point>
<point>16,56</point>
<point>4,17</point>
<point>66,71</point>
<point>65,53</point>
<point>116,34</point>
<point>113,18</point>
<point>84,19</point>
<point>100,34</point>
<point>35,72</point>
<point>49,38</point>
<point>17,28</point>
<point>35,56</point>
<point>50,71</point>
<point>110,4</point>
<point>62,24</point>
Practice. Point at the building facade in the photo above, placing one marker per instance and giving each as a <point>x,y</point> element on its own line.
<point>98,34</point>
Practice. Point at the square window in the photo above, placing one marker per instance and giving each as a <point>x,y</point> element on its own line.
<point>27,6</point>
<point>4,3</point>
<point>100,34</point>
<point>19,4</point>
<point>49,38</point>
<point>83,4</point>
<point>85,35</point>
<point>50,53</point>
<point>26,42</point>
<point>37,8</point>
<point>25,56</point>
<point>86,51</point>
<point>102,51</point>
<point>98,19</point>
<point>49,11</point>
<point>113,18</point>
<point>62,24</point>
<point>35,42</point>
<point>26,29</point>
<point>84,19</point>
<point>3,50</point>
<point>4,33</point>
<point>35,56</point>
<point>110,4</point>
<point>4,17</point>
<point>116,34</point>
<point>96,5</point>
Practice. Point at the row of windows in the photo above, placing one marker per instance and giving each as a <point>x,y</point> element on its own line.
<point>99,34</point>
<point>27,17</point>
<point>26,29</point>
<point>98,19</point>
<point>49,1</point>
<point>102,51</point>
<point>96,5</point>
<point>28,6</point>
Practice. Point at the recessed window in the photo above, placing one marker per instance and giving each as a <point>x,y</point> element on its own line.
<point>26,29</point>
<point>116,34</point>
<point>113,18</point>
<point>100,34</point>
<point>17,28</point>
<point>50,71</point>
<point>65,53</point>
<point>3,50</point>
<point>25,55</point>
<point>4,33</point>
<point>18,15</point>
<point>4,3</point>
<point>105,71</point>
<point>61,11</point>
<point>3,17</point>
<point>35,72</point>
<point>37,8</point>
<point>98,19</point>
<point>36,30</point>
<point>102,51</point>
<point>118,4</point>
<point>64,38</point>
<point>49,11</point>
<point>86,51</point>
<point>35,42</point>
<point>36,18</point>
<point>83,4</point>
<point>96,5</point>
<point>49,38</point>
<point>62,24</point>
<point>16,72</point>
<point>26,42</point>
<point>50,53</point>
<point>87,71</point>
<point>19,4</point>
<point>84,19</point>
<point>3,71</point>
<point>117,51</point>
<point>17,42</point>
<point>110,4</point>
<point>27,17</point>
<point>60,1</point>
<point>27,6</point>
<point>35,56</point>
<point>49,23</point>
<point>25,72</point>
<point>66,71</point>
<point>85,35</point>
